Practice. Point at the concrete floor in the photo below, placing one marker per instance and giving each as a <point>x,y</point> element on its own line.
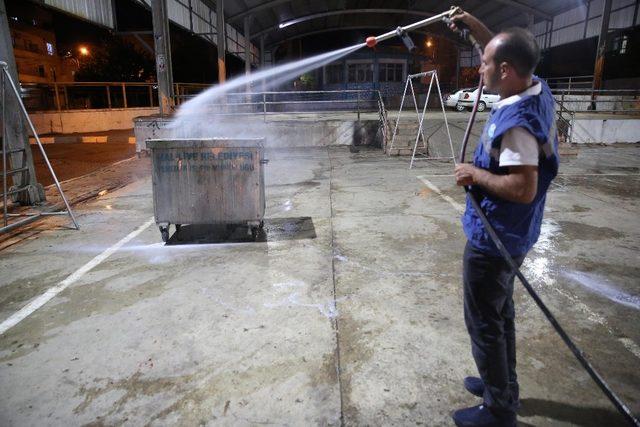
<point>349,312</point>
<point>72,160</point>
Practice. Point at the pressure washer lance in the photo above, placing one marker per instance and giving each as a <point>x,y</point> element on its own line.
<point>465,33</point>
<point>402,31</point>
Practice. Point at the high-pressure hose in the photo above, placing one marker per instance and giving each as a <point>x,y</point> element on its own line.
<point>579,354</point>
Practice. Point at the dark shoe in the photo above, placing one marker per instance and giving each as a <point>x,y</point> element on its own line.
<point>481,416</point>
<point>474,385</point>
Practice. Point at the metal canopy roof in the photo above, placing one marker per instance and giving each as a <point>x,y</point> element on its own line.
<point>318,16</point>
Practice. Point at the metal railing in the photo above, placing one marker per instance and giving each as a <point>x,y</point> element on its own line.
<point>299,102</point>
<point>69,96</point>
<point>609,101</point>
<point>587,101</point>
<point>56,96</point>
<point>570,82</point>
<point>565,123</point>
<point>266,103</point>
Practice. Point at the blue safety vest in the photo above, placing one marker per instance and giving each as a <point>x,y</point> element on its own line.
<point>517,224</point>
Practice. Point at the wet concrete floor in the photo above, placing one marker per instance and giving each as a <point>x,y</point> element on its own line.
<point>348,310</point>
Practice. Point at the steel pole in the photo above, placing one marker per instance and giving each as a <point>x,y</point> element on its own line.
<point>4,152</point>
<point>222,42</point>
<point>162,46</point>
<point>598,68</point>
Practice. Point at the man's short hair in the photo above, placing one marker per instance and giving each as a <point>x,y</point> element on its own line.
<point>520,49</point>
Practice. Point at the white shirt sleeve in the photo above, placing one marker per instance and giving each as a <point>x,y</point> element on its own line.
<point>519,147</point>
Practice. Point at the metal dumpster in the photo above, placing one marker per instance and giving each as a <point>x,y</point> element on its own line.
<point>207,181</point>
<point>149,127</point>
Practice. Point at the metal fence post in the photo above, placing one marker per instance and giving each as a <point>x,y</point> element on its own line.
<point>264,106</point>
<point>108,97</point>
<point>124,96</point>
<point>66,98</point>
<point>358,104</point>
<point>57,95</point>
<point>150,95</point>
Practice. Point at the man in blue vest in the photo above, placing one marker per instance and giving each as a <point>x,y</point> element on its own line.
<point>514,163</point>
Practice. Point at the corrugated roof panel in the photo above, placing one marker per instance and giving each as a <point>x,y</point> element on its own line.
<point>539,28</point>
<point>618,4</point>
<point>567,35</point>
<point>200,8</point>
<point>622,18</point>
<point>593,28</point>
<point>178,13</point>
<point>96,11</point>
<point>570,17</point>
<point>595,9</point>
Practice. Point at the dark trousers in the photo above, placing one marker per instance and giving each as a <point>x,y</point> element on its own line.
<point>489,315</point>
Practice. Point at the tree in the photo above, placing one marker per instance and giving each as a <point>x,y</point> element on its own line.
<point>116,60</point>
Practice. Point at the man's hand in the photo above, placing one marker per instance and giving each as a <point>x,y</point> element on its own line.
<point>482,34</point>
<point>520,185</point>
<point>465,174</point>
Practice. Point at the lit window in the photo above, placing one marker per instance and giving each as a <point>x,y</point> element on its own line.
<point>621,44</point>
<point>49,48</point>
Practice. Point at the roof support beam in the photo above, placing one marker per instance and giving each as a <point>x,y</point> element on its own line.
<point>256,9</point>
<point>305,18</point>
<point>274,3</point>
<point>354,11</point>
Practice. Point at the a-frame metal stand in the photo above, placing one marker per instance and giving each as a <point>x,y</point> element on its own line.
<point>6,80</point>
<point>430,152</point>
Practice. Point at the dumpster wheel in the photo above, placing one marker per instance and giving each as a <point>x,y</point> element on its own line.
<point>164,232</point>
<point>257,230</point>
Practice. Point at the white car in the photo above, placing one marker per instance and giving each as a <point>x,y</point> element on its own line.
<point>487,99</point>
<point>451,101</point>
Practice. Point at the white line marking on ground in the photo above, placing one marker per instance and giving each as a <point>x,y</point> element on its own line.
<point>74,277</point>
<point>457,206</point>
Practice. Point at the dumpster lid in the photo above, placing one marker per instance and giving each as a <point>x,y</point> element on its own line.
<point>206,143</point>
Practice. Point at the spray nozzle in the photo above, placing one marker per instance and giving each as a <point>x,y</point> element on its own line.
<point>461,27</point>
<point>371,41</point>
<point>406,39</point>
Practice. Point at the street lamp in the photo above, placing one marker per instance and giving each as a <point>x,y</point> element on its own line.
<point>84,51</point>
